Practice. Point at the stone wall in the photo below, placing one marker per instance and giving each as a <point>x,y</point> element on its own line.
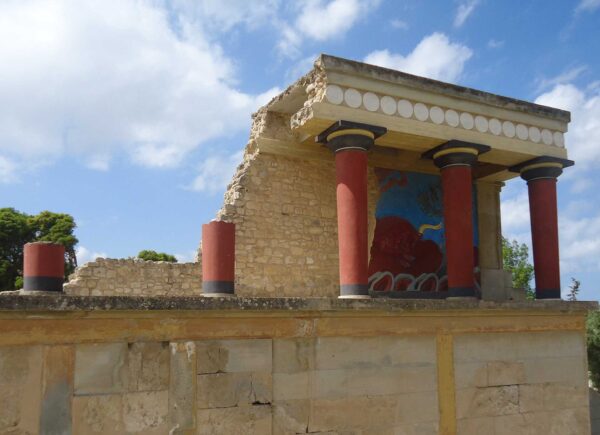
<point>135,277</point>
<point>331,367</point>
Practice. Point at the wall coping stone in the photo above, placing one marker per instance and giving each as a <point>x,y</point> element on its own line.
<point>9,301</point>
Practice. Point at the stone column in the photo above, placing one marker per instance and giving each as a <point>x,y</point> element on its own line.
<point>43,266</point>
<point>541,175</point>
<point>455,160</point>
<point>218,258</point>
<point>350,142</point>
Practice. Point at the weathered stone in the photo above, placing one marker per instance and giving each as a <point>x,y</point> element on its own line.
<point>101,368</point>
<point>290,416</point>
<point>293,355</point>
<point>247,420</point>
<point>223,390</point>
<point>505,373</point>
<point>148,366</point>
<point>182,387</point>
<point>235,356</point>
<point>102,415</point>
<point>146,412</point>
<point>57,390</point>
<point>352,413</point>
<point>488,401</point>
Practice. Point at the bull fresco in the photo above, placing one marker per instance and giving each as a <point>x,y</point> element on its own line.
<point>408,251</point>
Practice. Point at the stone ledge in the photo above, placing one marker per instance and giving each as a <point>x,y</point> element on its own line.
<point>10,301</point>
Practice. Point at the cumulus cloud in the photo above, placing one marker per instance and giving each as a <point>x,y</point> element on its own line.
<point>215,172</point>
<point>464,11</point>
<point>434,57</point>
<point>320,20</point>
<point>584,130</point>
<point>85,255</point>
<point>94,79</point>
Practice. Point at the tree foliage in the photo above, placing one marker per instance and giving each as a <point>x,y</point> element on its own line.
<point>573,290</point>
<point>593,347</point>
<point>17,228</point>
<point>515,257</point>
<point>149,255</point>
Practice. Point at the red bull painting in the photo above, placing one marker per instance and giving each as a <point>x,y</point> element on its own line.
<point>408,251</point>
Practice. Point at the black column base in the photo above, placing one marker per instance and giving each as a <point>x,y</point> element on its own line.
<point>217,288</point>
<point>43,283</point>
<point>354,291</point>
<point>461,292</point>
<point>552,293</point>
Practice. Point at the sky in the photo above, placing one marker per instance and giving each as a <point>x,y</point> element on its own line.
<point>132,115</point>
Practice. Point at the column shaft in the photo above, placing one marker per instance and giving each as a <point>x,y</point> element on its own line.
<point>351,180</point>
<point>544,235</point>
<point>457,186</point>
<point>218,258</point>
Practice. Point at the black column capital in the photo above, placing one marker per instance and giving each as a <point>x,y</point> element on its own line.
<point>541,167</point>
<point>348,135</point>
<point>455,153</point>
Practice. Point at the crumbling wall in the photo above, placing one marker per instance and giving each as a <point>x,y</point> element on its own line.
<point>135,277</point>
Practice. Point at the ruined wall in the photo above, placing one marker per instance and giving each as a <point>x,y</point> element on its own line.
<point>134,277</point>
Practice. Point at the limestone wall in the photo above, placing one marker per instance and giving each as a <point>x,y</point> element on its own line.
<point>336,370</point>
<point>134,277</point>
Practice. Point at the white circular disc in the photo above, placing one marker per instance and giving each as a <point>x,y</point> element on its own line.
<point>522,132</point>
<point>534,134</point>
<point>371,101</point>
<point>559,139</point>
<point>436,114</point>
<point>451,118</point>
<point>352,98</point>
<point>388,105</point>
<point>481,124</point>
<point>495,126</point>
<point>508,128</point>
<point>421,112</point>
<point>466,120</point>
<point>547,136</point>
<point>405,108</point>
<point>334,94</point>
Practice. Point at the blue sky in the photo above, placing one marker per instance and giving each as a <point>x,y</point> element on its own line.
<point>131,116</point>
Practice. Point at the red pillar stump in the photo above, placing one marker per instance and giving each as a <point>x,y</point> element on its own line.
<point>541,175</point>
<point>218,258</point>
<point>43,266</point>
<point>350,143</point>
<point>455,160</point>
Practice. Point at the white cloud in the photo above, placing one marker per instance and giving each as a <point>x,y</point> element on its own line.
<point>564,77</point>
<point>84,255</point>
<point>321,20</point>
<point>587,6</point>
<point>399,24</point>
<point>215,173</point>
<point>515,215</point>
<point>584,130</point>
<point>465,9</point>
<point>434,57</point>
<point>493,43</point>
<point>7,170</point>
<point>95,78</point>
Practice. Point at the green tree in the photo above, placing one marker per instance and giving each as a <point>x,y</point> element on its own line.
<point>18,228</point>
<point>149,255</point>
<point>515,257</point>
<point>593,347</point>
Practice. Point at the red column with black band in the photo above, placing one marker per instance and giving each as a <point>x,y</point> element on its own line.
<point>455,160</point>
<point>218,258</point>
<point>350,142</point>
<point>43,266</point>
<point>541,175</point>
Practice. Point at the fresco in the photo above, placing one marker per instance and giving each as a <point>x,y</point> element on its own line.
<point>408,252</point>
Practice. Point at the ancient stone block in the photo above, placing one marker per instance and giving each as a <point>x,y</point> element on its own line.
<point>488,401</point>
<point>101,368</point>
<point>353,413</point>
<point>148,366</point>
<point>252,355</point>
<point>223,390</point>
<point>247,420</point>
<point>57,389</point>
<point>102,415</point>
<point>475,426</point>
<point>146,412</point>
<point>182,387</point>
<point>470,374</point>
<point>417,408</point>
<point>293,355</point>
<point>290,386</point>
<point>505,373</point>
<point>290,417</point>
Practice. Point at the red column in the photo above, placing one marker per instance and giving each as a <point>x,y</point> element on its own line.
<point>544,236</point>
<point>218,258</point>
<point>351,179</point>
<point>43,266</point>
<point>457,186</point>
